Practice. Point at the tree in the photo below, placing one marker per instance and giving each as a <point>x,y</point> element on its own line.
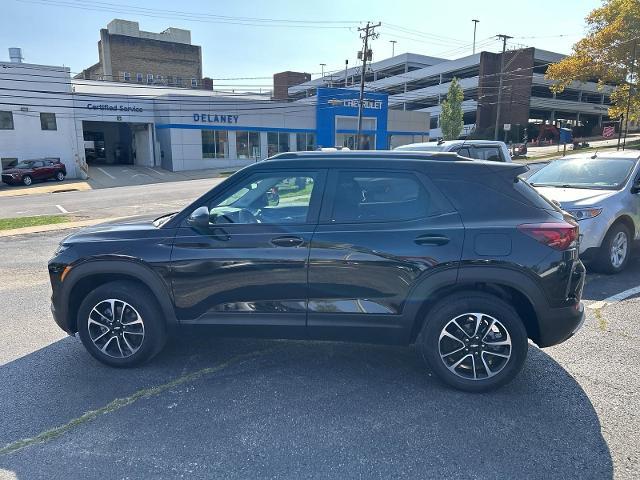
<point>451,119</point>
<point>606,54</point>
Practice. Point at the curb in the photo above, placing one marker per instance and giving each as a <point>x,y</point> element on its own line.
<point>57,226</point>
<point>39,190</point>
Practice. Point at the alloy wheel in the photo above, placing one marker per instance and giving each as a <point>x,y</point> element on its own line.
<point>619,247</point>
<point>116,328</point>
<point>60,176</point>
<point>475,346</point>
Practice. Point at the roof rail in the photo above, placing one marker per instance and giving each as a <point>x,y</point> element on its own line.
<point>379,154</point>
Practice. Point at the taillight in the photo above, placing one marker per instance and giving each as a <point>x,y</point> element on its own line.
<point>558,235</point>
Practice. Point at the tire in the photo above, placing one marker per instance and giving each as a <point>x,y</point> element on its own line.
<point>27,180</point>
<point>107,339</point>
<point>469,309</point>
<point>604,262</point>
<point>59,176</point>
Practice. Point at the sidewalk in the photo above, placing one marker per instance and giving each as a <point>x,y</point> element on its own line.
<point>108,176</point>
<point>533,152</point>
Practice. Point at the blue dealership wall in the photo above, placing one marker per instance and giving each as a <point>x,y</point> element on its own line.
<point>334,102</point>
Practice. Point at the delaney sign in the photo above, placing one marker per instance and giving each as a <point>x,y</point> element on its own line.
<point>215,118</point>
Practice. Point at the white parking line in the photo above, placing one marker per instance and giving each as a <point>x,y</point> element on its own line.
<point>155,171</point>
<point>106,173</point>
<point>62,209</point>
<point>614,298</point>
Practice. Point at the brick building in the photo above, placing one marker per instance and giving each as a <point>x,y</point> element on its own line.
<point>283,80</point>
<point>128,54</point>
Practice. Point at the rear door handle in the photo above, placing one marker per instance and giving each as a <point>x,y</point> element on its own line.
<point>431,239</point>
<point>287,241</point>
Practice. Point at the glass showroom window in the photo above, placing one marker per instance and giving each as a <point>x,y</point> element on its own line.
<point>6,120</point>
<point>306,142</point>
<point>48,121</point>
<point>215,144</point>
<point>248,144</point>
<point>277,142</point>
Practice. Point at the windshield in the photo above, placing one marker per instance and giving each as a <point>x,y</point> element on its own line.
<point>596,173</point>
<point>422,148</point>
<point>25,164</point>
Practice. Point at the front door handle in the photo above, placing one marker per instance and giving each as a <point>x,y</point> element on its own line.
<point>431,239</point>
<point>287,241</point>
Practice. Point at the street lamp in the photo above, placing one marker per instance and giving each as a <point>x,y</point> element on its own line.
<point>475,25</point>
<point>323,65</point>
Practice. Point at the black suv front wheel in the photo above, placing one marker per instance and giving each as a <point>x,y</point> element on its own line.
<point>474,341</point>
<point>120,325</point>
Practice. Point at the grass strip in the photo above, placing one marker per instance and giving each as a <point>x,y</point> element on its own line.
<point>20,222</point>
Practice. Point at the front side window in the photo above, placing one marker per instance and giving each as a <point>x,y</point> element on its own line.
<point>277,142</point>
<point>306,142</point>
<point>6,120</point>
<point>378,197</point>
<point>248,144</point>
<point>48,121</point>
<point>266,198</point>
<point>215,144</point>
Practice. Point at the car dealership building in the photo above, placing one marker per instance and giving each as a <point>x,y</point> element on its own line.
<point>44,113</point>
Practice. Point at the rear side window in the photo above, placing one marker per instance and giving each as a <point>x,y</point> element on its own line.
<point>530,193</point>
<point>378,197</point>
<point>488,153</point>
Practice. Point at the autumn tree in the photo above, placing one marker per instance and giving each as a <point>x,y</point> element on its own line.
<point>451,119</point>
<point>606,54</point>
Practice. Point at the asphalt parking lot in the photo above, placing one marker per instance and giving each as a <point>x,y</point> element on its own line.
<point>210,407</point>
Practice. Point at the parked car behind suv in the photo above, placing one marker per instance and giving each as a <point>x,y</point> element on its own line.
<point>477,149</point>
<point>602,192</point>
<point>28,171</point>
<point>459,257</point>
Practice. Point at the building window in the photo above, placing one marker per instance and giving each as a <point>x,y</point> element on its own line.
<point>149,77</point>
<point>159,79</point>
<point>48,121</point>
<point>6,120</point>
<point>126,76</point>
<point>277,142</point>
<point>194,82</point>
<point>306,142</point>
<point>169,79</point>
<point>139,77</point>
<point>179,81</point>
<point>9,162</point>
<point>248,145</point>
<point>215,144</point>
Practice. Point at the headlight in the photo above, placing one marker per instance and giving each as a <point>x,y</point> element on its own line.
<point>584,213</point>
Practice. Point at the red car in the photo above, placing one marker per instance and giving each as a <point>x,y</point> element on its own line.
<point>29,171</point>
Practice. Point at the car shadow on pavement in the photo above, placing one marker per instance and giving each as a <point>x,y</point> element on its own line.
<point>288,409</point>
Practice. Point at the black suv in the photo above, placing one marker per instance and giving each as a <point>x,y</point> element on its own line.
<point>459,257</point>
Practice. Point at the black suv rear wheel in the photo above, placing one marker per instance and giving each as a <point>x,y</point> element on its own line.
<point>120,325</point>
<point>474,341</point>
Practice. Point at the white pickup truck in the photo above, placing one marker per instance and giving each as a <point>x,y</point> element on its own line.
<point>477,149</point>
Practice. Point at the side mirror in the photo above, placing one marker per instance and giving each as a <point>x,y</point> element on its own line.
<point>199,218</point>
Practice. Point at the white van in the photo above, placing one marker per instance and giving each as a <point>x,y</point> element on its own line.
<point>477,149</point>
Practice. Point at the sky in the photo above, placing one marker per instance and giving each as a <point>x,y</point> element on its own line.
<point>252,38</point>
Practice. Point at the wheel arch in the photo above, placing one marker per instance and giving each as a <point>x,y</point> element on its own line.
<point>88,276</point>
<point>515,288</point>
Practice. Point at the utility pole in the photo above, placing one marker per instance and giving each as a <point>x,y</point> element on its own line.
<point>365,54</point>
<point>393,47</point>
<point>504,49</point>
<point>322,65</point>
<point>631,84</point>
<point>475,25</point>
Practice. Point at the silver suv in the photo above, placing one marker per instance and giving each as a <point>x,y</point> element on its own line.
<point>602,192</point>
<point>477,149</point>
